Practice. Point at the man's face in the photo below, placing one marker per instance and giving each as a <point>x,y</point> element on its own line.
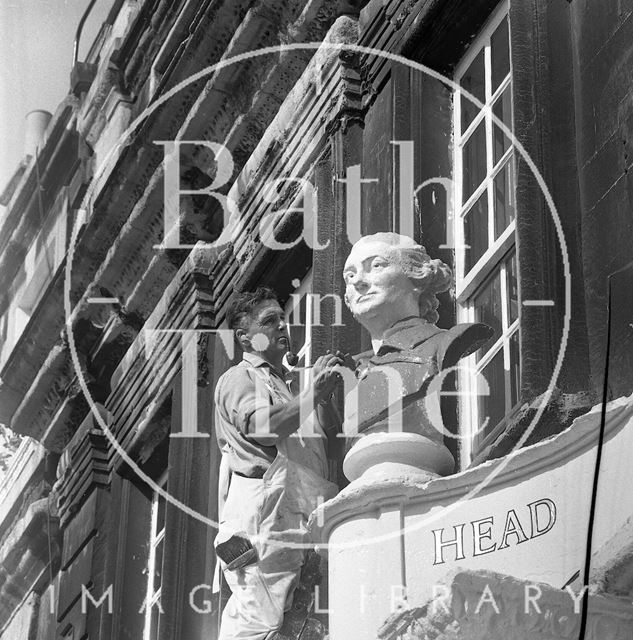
<point>266,330</point>
<point>376,284</point>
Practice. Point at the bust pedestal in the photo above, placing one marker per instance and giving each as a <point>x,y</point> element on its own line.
<point>395,412</point>
<point>390,455</point>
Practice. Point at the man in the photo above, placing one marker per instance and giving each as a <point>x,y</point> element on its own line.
<point>275,452</point>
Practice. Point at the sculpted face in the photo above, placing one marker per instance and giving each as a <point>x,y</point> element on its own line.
<point>377,289</point>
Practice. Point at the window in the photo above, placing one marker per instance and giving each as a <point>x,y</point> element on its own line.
<point>485,256</point>
<point>41,263</point>
<point>152,607</point>
<point>299,317</point>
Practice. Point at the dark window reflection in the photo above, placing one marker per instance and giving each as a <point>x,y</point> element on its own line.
<point>500,43</point>
<point>474,161</point>
<point>504,197</point>
<point>473,81</point>
<point>158,568</point>
<point>487,306</point>
<point>513,288</point>
<point>160,516</point>
<point>476,231</point>
<point>492,406</point>
<point>503,110</point>
<point>515,368</point>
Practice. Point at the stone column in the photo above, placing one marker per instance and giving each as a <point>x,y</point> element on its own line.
<point>343,149</point>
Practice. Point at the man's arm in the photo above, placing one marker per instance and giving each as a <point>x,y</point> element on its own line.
<point>281,420</point>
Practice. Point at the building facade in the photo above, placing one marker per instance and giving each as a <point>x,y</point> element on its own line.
<point>209,146</point>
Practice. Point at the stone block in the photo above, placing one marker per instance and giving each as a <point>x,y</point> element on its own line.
<point>80,528</point>
<point>78,575</point>
<point>490,606</point>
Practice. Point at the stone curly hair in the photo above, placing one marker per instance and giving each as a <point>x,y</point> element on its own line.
<point>431,276</point>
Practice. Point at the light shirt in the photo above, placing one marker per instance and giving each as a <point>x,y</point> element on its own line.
<point>244,389</point>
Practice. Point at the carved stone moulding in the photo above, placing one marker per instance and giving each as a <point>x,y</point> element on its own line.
<point>83,465</point>
<point>519,514</point>
<point>144,376</point>
<point>490,606</point>
<point>45,394</point>
<point>24,555</point>
<point>379,455</point>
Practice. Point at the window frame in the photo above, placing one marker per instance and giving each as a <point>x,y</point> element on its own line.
<point>494,259</point>
<point>153,593</point>
<point>291,308</point>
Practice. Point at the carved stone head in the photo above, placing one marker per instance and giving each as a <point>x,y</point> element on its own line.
<point>390,277</point>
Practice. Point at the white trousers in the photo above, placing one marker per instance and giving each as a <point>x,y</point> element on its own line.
<point>259,599</point>
<point>273,512</point>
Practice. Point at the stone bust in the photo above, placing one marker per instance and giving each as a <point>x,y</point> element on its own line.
<point>391,286</point>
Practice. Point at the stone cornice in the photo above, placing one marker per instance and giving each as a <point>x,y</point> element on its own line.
<point>330,85</point>
<point>83,466</point>
<point>146,210</point>
<point>433,32</point>
<point>143,278</point>
<point>22,219</point>
<point>26,463</point>
<point>104,245</point>
<point>14,181</point>
<point>149,366</point>
<point>52,392</point>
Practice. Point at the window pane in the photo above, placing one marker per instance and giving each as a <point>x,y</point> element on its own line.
<point>296,318</point>
<point>504,197</point>
<point>503,110</point>
<point>297,338</point>
<point>476,231</point>
<point>513,289</point>
<point>487,306</point>
<point>515,369</point>
<point>158,566</point>
<point>160,516</point>
<point>153,634</point>
<point>474,161</point>
<point>493,405</point>
<point>473,81</point>
<point>500,43</point>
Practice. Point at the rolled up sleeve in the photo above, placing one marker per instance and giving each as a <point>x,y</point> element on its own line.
<point>238,397</point>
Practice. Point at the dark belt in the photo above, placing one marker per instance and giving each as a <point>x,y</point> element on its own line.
<point>257,474</point>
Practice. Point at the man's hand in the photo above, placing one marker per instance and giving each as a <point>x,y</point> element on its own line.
<point>285,418</point>
<point>326,376</point>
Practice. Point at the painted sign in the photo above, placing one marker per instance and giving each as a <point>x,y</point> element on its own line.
<point>392,543</point>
